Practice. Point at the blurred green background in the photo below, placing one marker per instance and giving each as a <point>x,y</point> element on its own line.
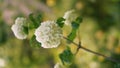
<point>100,32</point>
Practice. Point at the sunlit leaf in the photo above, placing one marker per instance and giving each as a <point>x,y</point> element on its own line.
<point>71,36</point>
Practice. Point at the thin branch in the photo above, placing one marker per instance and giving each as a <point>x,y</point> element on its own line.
<point>88,50</point>
<point>109,58</point>
<point>71,41</point>
<point>74,44</point>
<point>78,48</point>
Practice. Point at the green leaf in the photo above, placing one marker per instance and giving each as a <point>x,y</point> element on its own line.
<point>75,25</point>
<point>34,43</point>
<point>66,56</point>
<point>36,19</point>
<point>39,18</point>
<point>79,19</point>
<point>25,29</point>
<point>71,36</point>
<point>31,17</point>
<point>60,22</point>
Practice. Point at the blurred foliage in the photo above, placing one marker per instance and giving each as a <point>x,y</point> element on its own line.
<point>117,66</point>
<point>100,31</point>
<point>3,32</point>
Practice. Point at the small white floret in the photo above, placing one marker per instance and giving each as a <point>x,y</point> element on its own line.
<point>70,16</point>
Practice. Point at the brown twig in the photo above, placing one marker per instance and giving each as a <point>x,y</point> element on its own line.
<point>96,53</point>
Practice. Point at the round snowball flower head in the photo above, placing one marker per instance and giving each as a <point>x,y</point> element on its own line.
<point>49,34</point>
<point>70,16</point>
<point>18,28</point>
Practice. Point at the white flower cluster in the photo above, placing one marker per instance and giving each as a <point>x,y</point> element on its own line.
<point>18,28</point>
<point>70,16</point>
<point>49,34</point>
